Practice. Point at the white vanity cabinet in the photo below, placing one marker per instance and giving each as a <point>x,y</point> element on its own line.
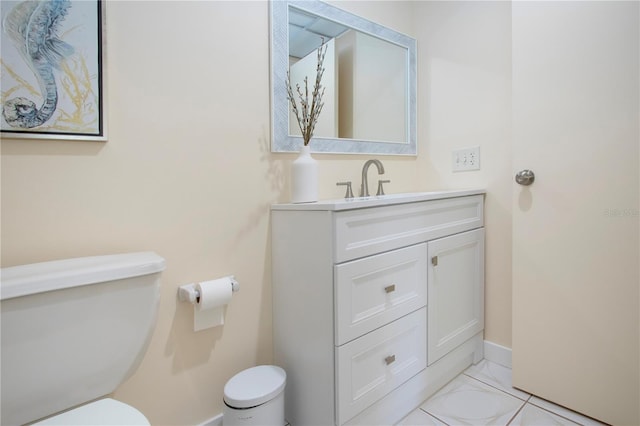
<point>376,303</point>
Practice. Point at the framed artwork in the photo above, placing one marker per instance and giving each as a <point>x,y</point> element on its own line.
<point>52,70</point>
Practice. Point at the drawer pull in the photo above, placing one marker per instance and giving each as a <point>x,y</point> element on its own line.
<point>434,260</point>
<point>390,288</point>
<point>390,359</point>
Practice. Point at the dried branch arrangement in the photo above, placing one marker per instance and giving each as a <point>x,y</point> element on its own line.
<point>308,114</point>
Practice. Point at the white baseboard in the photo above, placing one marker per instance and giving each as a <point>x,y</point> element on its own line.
<point>214,421</point>
<point>498,354</point>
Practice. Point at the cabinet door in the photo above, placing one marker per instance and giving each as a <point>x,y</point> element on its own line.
<point>455,298</point>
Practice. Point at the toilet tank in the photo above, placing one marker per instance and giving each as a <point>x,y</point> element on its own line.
<point>73,330</point>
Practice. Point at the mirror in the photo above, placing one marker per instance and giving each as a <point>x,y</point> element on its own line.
<point>369,80</point>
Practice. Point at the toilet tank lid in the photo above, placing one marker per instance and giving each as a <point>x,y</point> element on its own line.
<point>41,277</point>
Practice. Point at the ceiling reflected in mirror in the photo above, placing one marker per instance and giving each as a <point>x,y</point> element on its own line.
<point>307,32</point>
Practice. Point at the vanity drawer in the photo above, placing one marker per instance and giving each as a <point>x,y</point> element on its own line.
<point>363,232</point>
<point>370,367</point>
<point>376,290</point>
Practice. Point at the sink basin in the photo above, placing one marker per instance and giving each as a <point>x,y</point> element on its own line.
<point>375,201</point>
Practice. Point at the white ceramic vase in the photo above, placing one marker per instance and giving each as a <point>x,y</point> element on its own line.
<point>304,177</point>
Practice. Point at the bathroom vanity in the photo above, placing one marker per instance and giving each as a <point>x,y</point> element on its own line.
<point>377,302</point>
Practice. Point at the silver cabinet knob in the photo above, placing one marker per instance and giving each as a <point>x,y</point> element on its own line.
<point>525,177</point>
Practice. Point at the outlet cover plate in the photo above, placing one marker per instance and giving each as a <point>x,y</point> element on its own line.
<point>465,159</point>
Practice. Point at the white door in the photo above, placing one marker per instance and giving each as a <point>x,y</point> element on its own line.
<point>576,323</point>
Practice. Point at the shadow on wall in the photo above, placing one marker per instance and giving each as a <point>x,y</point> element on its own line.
<point>276,180</point>
<point>203,343</point>
<point>200,345</point>
<point>51,147</point>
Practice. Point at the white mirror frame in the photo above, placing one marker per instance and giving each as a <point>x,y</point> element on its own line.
<point>281,141</point>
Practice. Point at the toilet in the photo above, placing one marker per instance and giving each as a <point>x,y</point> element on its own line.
<point>255,397</point>
<point>105,411</point>
<point>73,330</point>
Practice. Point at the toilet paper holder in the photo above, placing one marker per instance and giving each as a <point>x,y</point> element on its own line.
<point>189,292</point>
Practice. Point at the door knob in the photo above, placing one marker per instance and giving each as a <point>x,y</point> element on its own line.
<point>525,177</point>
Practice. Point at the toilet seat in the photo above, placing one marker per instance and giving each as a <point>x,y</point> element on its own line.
<point>105,411</point>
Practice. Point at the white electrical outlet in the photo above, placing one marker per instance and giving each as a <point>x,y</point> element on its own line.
<point>466,159</point>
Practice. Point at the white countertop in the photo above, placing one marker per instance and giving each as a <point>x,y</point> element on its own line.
<point>375,201</point>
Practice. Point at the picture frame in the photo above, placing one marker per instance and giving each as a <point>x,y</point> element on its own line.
<point>53,61</point>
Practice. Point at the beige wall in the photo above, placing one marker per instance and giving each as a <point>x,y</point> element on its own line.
<point>187,171</point>
<point>464,100</point>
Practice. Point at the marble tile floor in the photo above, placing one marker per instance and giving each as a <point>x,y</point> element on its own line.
<point>482,395</point>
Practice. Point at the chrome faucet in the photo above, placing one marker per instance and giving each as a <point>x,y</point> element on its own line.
<point>364,187</point>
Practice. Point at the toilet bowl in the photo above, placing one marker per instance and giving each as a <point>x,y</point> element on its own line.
<point>72,331</point>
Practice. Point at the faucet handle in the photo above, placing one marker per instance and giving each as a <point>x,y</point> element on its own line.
<point>349,194</point>
<point>380,188</point>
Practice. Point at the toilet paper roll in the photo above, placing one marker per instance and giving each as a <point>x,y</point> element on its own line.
<point>209,310</point>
